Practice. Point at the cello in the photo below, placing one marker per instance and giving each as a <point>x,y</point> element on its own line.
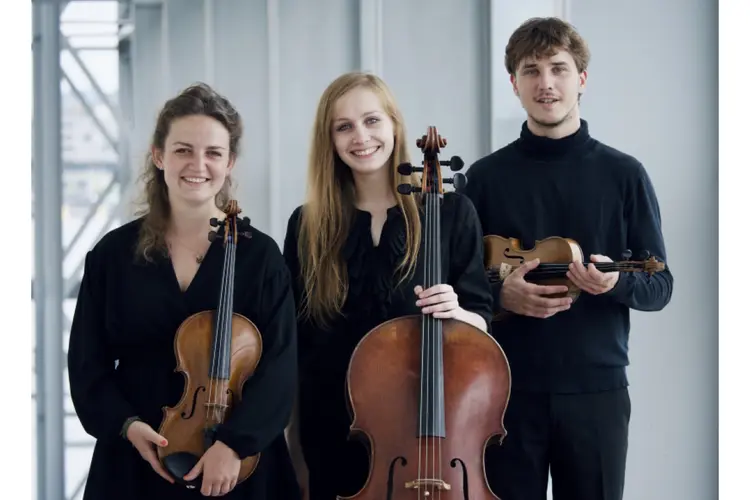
<point>428,394</point>
<point>503,255</point>
<point>216,351</point>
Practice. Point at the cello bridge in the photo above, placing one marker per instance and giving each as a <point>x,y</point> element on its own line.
<point>437,484</point>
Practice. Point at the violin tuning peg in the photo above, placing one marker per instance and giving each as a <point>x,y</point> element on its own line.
<point>211,235</point>
<point>627,254</point>
<point>646,254</point>
<point>214,222</point>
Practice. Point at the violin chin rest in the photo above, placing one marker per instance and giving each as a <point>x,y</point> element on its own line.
<point>179,464</point>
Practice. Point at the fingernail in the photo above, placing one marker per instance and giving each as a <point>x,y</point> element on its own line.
<point>164,442</point>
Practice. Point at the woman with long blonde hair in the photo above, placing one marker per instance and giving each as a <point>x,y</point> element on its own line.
<point>355,254</point>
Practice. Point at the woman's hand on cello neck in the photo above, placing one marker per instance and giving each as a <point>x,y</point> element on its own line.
<point>442,302</point>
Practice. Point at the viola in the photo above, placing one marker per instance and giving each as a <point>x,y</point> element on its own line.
<point>503,255</point>
<point>216,351</point>
<point>428,395</point>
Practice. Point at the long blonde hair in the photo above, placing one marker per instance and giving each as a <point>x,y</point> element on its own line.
<point>198,99</point>
<point>329,209</point>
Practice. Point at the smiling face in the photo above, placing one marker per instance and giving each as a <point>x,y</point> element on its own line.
<point>549,88</point>
<point>363,133</point>
<point>195,160</point>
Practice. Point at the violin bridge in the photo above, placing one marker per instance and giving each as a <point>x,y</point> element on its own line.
<point>437,484</point>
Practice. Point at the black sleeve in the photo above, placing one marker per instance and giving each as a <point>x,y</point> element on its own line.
<point>640,291</point>
<point>468,277</point>
<point>290,253</point>
<point>99,403</point>
<point>268,395</point>
<point>474,191</point>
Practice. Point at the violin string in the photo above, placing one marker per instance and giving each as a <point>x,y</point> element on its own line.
<point>222,326</point>
<point>226,332</point>
<point>559,269</point>
<point>210,409</point>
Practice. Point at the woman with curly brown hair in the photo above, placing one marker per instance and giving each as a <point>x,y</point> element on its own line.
<point>140,282</point>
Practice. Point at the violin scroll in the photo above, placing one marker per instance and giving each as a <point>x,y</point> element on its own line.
<point>232,226</point>
<point>432,181</point>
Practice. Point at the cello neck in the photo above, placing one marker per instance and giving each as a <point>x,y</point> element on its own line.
<point>431,397</point>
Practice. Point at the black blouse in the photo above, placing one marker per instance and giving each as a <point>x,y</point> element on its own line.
<point>374,297</point>
<point>121,361</point>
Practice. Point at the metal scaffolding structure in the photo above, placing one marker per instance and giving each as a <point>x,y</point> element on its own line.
<point>52,285</point>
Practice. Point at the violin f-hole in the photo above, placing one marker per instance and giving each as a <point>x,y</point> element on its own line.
<point>195,402</point>
<point>508,255</point>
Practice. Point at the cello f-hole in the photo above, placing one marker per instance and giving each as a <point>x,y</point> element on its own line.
<point>465,482</point>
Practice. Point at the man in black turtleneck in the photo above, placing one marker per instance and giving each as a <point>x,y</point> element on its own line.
<point>569,409</point>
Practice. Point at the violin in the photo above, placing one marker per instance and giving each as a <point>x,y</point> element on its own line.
<point>428,394</point>
<point>216,351</point>
<point>502,256</point>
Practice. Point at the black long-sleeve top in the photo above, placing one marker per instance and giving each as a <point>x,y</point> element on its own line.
<point>338,467</point>
<point>575,187</point>
<point>121,361</point>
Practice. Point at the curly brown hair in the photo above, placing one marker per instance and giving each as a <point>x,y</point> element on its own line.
<point>198,99</point>
<point>543,37</point>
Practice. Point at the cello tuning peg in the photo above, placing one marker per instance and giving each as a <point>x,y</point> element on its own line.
<point>405,188</point>
<point>627,254</point>
<point>456,163</point>
<point>214,222</point>
<point>211,235</point>
<point>405,168</point>
<point>458,181</point>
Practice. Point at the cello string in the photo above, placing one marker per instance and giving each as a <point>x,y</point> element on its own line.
<point>423,389</point>
<point>431,323</point>
<point>440,342</point>
<point>435,322</point>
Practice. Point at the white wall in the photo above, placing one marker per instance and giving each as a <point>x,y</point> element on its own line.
<point>652,92</point>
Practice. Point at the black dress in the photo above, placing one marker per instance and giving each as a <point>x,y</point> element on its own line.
<point>129,311</point>
<point>337,465</point>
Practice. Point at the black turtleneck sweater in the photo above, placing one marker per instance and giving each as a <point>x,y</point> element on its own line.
<point>574,187</point>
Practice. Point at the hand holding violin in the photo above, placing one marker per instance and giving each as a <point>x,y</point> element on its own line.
<point>143,438</point>
<point>528,299</point>
<point>220,466</point>
<point>590,279</point>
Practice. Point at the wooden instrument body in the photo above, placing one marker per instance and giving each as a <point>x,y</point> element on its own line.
<point>506,254</point>
<point>216,352</point>
<point>385,372</point>
<point>184,425</point>
<point>428,394</point>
